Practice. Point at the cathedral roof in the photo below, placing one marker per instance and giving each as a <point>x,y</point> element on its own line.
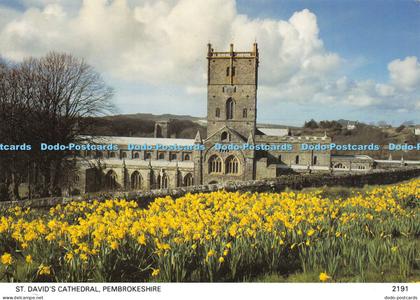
<point>124,140</point>
<point>274,131</point>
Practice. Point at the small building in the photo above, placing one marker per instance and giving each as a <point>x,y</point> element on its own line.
<point>351,125</point>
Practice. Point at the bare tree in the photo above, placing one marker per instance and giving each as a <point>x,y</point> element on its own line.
<point>45,100</point>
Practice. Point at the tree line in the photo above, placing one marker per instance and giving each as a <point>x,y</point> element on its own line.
<point>45,100</point>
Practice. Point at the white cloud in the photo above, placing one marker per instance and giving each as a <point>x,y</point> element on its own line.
<point>405,74</point>
<point>6,16</point>
<point>385,90</point>
<point>164,42</point>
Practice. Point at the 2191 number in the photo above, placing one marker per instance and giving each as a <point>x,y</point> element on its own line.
<point>400,288</point>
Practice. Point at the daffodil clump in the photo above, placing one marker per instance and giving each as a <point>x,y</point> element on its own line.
<point>219,236</point>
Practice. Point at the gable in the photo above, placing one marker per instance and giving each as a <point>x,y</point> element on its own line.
<point>226,135</point>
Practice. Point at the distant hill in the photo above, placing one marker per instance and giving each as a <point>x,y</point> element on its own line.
<point>145,116</point>
<point>142,125</point>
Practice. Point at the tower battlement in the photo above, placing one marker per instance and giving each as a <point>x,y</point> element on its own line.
<point>231,53</point>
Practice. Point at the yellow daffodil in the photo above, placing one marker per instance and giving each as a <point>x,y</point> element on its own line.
<point>323,276</point>
<point>6,259</point>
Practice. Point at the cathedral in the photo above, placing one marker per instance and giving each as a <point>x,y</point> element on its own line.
<point>235,148</point>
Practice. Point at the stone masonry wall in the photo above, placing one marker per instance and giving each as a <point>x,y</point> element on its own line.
<point>270,185</point>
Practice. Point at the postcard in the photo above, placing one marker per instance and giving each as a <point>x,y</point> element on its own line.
<point>235,148</point>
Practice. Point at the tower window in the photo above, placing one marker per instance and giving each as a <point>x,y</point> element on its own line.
<point>315,160</point>
<point>297,159</point>
<point>245,113</point>
<point>233,71</point>
<point>280,158</point>
<point>229,109</point>
<point>227,71</point>
<point>217,112</point>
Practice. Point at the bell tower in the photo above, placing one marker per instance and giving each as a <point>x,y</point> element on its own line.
<point>232,78</point>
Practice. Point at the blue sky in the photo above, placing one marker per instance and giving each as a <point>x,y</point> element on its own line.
<point>375,31</point>
<point>324,59</point>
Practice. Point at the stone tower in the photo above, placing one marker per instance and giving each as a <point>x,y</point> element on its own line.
<point>232,91</point>
<point>161,129</point>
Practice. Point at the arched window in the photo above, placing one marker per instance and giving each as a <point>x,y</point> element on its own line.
<point>173,156</point>
<point>161,155</point>
<point>280,158</point>
<point>162,181</point>
<point>111,180</point>
<point>245,113</point>
<point>225,136</point>
<point>188,180</point>
<point>297,159</point>
<point>136,155</point>
<point>112,154</point>
<point>339,166</point>
<point>187,157</point>
<point>215,164</point>
<point>135,181</point>
<point>232,165</point>
<point>217,112</point>
<point>229,109</point>
<point>315,160</point>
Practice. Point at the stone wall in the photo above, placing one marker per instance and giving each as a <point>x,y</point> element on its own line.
<point>270,185</point>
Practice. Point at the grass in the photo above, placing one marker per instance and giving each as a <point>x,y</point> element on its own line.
<point>362,239</point>
<point>369,276</point>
